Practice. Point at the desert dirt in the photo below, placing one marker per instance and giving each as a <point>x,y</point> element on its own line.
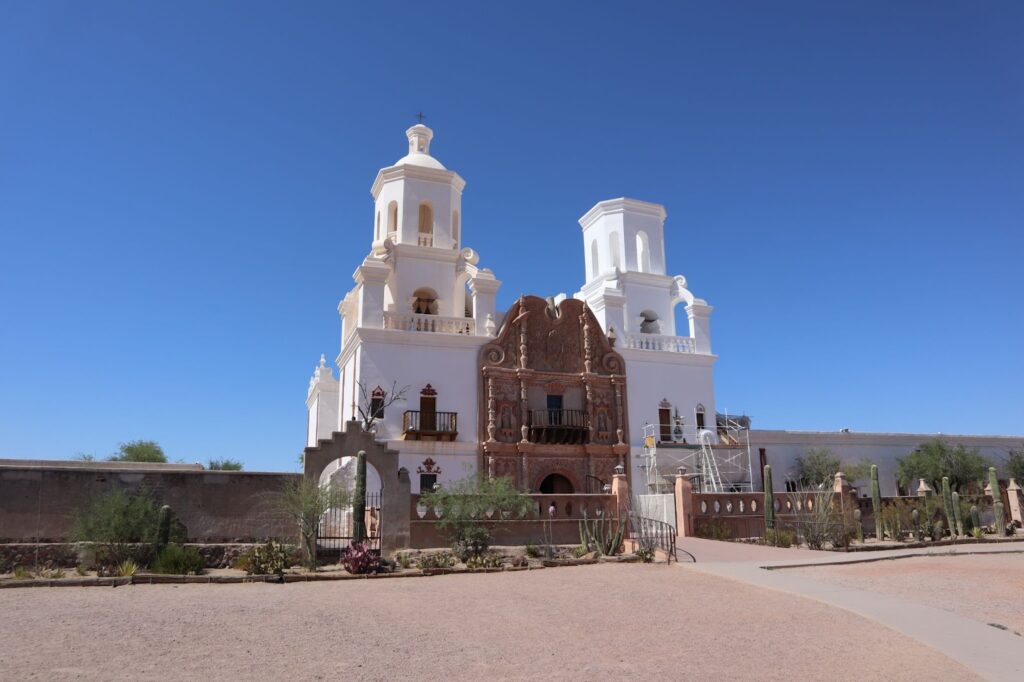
<point>587,622</point>
<point>985,587</point>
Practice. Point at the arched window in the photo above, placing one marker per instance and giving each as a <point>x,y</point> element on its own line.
<point>613,247</point>
<point>425,301</point>
<point>392,217</point>
<point>455,227</point>
<point>426,225</point>
<point>649,322</point>
<point>643,252</point>
<point>699,413</point>
<point>595,265</point>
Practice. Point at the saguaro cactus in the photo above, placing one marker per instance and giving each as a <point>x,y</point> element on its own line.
<point>957,514</point>
<point>947,505</point>
<point>163,530</point>
<point>359,502</point>
<point>858,527</point>
<point>876,502</point>
<point>769,498</point>
<point>997,502</point>
<point>915,517</point>
<point>975,517</point>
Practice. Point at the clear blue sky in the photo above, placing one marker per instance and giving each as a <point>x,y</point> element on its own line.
<point>184,194</point>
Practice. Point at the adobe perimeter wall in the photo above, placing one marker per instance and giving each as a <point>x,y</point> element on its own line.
<point>39,500</point>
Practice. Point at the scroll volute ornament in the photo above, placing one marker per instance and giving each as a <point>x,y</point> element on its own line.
<point>563,339</point>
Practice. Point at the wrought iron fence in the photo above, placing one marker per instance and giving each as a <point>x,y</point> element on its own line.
<point>335,532</point>
<point>653,535</point>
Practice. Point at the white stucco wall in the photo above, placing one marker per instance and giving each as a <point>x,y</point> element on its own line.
<point>783,447</point>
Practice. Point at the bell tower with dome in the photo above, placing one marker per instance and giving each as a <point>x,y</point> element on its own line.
<point>417,201</point>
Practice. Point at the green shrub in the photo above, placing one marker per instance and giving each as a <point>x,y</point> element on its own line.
<point>715,529</point>
<point>403,560</point>
<point>268,559</point>
<point>81,570</point>
<point>22,573</point>
<point>776,537</point>
<point>470,542</point>
<point>645,555</point>
<point>533,551</point>
<point>977,532</point>
<point>580,551</point>
<point>122,526</point>
<point>465,507</point>
<point>178,560</point>
<point>489,560</point>
<point>127,568</point>
<point>50,574</point>
<point>438,560</point>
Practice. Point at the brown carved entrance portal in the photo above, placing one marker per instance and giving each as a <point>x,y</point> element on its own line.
<point>553,398</point>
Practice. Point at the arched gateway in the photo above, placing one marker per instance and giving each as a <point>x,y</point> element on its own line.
<point>395,494</point>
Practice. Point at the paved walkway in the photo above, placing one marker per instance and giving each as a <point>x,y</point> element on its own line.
<point>995,654</point>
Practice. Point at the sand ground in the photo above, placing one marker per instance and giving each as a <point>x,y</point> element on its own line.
<point>987,588</point>
<point>588,622</point>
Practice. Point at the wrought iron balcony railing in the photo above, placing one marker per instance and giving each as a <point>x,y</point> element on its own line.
<point>417,425</point>
<point>558,426</point>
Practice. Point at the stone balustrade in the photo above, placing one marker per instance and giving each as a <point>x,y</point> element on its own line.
<point>660,342</point>
<point>413,322</point>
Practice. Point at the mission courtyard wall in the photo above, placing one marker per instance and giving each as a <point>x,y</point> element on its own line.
<point>39,500</point>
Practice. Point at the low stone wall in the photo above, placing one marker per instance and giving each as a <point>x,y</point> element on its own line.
<point>38,500</point>
<point>69,554</point>
<point>560,525</point>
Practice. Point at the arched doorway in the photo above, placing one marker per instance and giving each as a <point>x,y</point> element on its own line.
<point>337,523</point>
<point>556,484</point>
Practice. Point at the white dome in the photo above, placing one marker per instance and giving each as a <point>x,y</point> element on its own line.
<point>419,149</point>
<point>420,159</point>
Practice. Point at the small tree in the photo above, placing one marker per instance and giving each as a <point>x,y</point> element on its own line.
<point>463,505</point>
<point>225,465</point>
<point>305,501</point>
<point>375,401</point>
<point>118,523</point>
<point>937,458</point>
<point>818,467</point>
<point>1015,465</point>
<point>140,451</point>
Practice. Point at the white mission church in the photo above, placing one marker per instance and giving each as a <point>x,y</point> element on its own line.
<point>557,392</point>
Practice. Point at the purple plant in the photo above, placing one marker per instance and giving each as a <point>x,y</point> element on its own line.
<point>359,559</point>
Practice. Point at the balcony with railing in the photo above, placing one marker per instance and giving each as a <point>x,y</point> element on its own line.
<point>559,426</point>
<point>422,425</point>
<point>660,342</point>
<point>415,322</point>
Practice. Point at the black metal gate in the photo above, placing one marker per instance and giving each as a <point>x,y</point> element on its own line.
<point>335,531</point>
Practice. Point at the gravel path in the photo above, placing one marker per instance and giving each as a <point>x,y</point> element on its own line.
<point>590,622</point>
<point>987,588</point>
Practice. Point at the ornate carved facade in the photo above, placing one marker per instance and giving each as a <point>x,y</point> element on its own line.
<point>553,399</point>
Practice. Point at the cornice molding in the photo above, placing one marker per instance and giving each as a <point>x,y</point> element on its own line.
<point>405,171</point>
<point>621,205</point>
